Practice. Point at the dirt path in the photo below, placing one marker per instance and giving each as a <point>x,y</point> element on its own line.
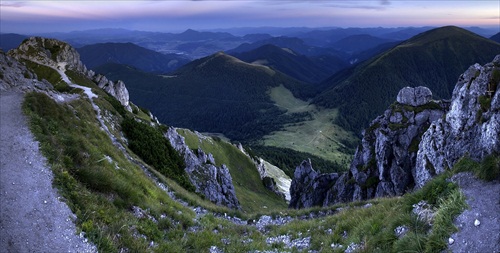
<point>483,199</point>
<point>32,218</point>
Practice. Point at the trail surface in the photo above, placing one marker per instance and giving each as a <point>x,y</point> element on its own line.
<point>32,216</point>
<point>483,199</point>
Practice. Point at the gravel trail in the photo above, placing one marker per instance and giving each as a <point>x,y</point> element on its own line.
<point>32,216</point>
<point>483,199</point>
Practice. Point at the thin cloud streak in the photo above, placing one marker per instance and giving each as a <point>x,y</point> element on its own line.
<point>207,14</point>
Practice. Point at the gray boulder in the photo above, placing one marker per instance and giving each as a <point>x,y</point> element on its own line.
<point>414,96</point>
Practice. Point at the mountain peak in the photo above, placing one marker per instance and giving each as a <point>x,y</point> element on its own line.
<point>190,31</point>
<point>441,33</point>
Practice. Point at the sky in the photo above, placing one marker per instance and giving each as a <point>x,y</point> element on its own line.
<point>32,17</point>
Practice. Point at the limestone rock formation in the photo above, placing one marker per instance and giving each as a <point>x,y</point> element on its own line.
<point>382,164</point>
<point>14,75</point>
<point>414,96</point>
<point>61,56</point>
<point>471,127</point>
<point>215,183</point>
<point>414,140</point>
<point>308,187</point>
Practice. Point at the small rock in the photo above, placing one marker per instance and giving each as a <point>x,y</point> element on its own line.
<point>451,241</point>
<point>477,223</point>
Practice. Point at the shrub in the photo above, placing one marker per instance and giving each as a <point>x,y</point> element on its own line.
<point>150,144</point>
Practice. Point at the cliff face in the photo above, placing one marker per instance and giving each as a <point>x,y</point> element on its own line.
<point>61,56</point>
<point>414,140</point>
<point>471,126</point>
<point>215,183</point>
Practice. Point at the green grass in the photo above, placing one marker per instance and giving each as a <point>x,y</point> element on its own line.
<point>318,136</point>
<point>49,74</point>
<point>250,190</point>
<point>488,169</point>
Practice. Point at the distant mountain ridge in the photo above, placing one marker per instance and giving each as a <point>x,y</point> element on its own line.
<point>130,54</point>
<point>358,43</point>
<point>304,68</point>
<point>10,41</point>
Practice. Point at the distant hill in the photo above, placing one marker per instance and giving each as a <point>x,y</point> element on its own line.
<point>130,54</point>
<point>434,59</point>
<point>296,65</point>
<point>192,35</point>
<point>9,41</point>
<point>218,93</point>
<point>358,43</point>
<point>292,43</point>
<point>496,37</point>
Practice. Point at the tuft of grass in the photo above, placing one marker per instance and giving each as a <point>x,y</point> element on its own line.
<point>449,207</point>
<point>488,169</point>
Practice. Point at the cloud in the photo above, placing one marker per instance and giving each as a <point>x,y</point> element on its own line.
<point>385,2</point>
<point>13,4</point>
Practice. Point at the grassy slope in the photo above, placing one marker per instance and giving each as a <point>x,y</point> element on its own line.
<point>318,136</point>
<point>250,191</point>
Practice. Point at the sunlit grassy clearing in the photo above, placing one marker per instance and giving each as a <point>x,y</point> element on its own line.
<point>318,136</point>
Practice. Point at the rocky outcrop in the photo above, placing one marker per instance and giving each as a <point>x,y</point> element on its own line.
<point>215,183</point>
<point>14,75</point>
<point>383,163</point>
<point>308,187</point>
<point>414,96</point>
<point>49,52</point>
<point>471,126</point>
<point>414,140</point>
<point>61,56</point>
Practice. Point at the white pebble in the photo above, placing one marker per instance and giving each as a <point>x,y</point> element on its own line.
<point>477,223</point>
<point>450,241</point>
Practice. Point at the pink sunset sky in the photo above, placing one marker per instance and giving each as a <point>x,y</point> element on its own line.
<point>174,16</point>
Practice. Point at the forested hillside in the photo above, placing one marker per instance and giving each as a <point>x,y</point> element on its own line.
<point>434,59</point>
<point>218,93</point>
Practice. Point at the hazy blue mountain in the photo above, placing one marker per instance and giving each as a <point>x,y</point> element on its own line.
<point>293,43</point>
<point>256,37</point>
<point>9,41</point>
<point>496,37</point>
<point>358,43</point>
<point>405,33</point>
<point>130,54</point>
